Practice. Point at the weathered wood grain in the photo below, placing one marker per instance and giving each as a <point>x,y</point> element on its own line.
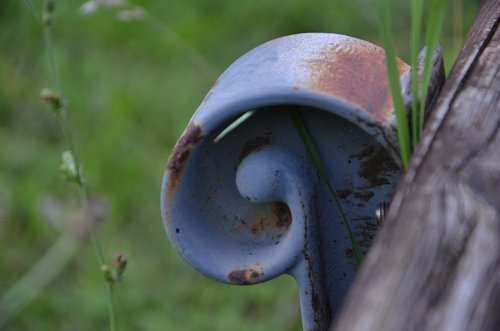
<point>436,262</point>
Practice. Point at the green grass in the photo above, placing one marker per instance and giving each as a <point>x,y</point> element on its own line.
<point>420,85</point>
<point>417,7</point>
<point>131,90</point>
<point>384,13</point>
<point>434,26</point>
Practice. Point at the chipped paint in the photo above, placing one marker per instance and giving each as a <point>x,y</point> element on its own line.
<point>377,166</point>
<point>282,214</point>
<point>245,276</point>
<point>191,137</point>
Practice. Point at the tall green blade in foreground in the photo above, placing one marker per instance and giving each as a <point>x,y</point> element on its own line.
<point>416,19</point>
<point>313,152</point>
<point>434,27</point>
<point>384,14</point>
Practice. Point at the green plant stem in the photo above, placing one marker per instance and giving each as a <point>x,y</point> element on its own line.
<point>316,157</point>
<point>434,26</point>
<point>82,189</point>
<point>384,14</point>
<point>65,128</point>
<point>64,125</point>
<point>416,17</point>
<point>111,308</point>
<point>49,50</point>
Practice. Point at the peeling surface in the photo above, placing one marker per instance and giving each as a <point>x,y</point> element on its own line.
<point>377,166</point>
<point>356,73</point>
<point>245,276</point>
<point>191,137</point>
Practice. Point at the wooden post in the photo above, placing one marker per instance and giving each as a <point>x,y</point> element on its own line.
<point>436,262</point>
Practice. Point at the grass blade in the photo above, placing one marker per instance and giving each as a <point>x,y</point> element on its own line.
<point>313,152</point>
<point>416,16</point>
<point>384,14</point>
<point>434,27</point>
<point>240,120</point>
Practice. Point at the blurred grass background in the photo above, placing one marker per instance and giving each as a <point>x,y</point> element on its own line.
<point>131,89</point>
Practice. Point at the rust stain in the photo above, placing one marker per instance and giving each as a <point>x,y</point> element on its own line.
<point>316,303</point>
<point>253,145</point>
<point>283,215</point>
<point>377,167</point>
<point>258,226</point>
<point>245,276</point>
<point>179,156</point>
<point>355,72</point>
<point>262,225</point>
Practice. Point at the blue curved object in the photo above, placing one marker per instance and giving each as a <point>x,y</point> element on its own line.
<point>251,206</point>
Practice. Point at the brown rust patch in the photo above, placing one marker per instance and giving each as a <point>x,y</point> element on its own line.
<point>377,167</point>
<point>283,215</point>
<point>245,276</point>
<point>253,145</point>
<point>258,226</point>
<point>316,303</point>
<point>355,71</point>
<point>179,156</point>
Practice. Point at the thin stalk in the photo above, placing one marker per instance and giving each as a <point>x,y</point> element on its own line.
<point>384,14</point>
<point>82,188</point>
<point>434,26</point>
<point>49,50</point>
<point>416,16</point>
<point>316,157</point>
<point>52,262</point>
<point>65,128</point>
<point>68,136</point>
<point>111,308</point>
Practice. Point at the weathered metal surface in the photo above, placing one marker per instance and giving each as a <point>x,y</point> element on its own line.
<point>252,206</point>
